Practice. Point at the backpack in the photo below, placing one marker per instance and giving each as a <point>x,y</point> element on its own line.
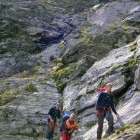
<point>102,89</point>
<point>66,116</point>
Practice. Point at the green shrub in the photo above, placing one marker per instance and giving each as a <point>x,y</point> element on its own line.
<point>64,72</point>
<point>7,96</point>
<point>72,6</point>
<point>86,37</point>
<point>61,74</point>
<point>31,88</point>
<point>123,128</point>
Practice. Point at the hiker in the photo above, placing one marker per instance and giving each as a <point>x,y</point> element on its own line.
<point>54,114</point>
<point>104,108</point>
<point>68,127</point>
<point>66,116</point>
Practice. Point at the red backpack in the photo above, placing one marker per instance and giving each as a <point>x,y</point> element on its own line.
<point>102,89</point>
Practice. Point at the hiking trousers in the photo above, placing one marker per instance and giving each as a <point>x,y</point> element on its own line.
<point>109,117</point>
<point>65,136</point>
<point>51,128</point>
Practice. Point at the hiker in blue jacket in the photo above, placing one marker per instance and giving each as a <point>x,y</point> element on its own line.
<point>104,108</point>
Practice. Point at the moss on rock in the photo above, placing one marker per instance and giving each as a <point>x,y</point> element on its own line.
<point>61,74</point>
<point>31,88</point>
<point>129,131</point>
<point>14,38</point>
<point>7,96</point>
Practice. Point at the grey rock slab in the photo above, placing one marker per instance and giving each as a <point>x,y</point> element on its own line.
<point>128,111</point>
<point>87,96</point>
<point>115,57</point>
<point>28,111</point>
<point>130,107</point>
<point>52,51</point>
<point>10,137</point>
<point>87,102</point>
<point>19,137</point>
<point>112,12</point>
<point>69,95</point>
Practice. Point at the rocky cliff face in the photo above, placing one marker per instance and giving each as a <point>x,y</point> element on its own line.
<point>30,40</point>
<point>112,27</point>
<point>63,50</point>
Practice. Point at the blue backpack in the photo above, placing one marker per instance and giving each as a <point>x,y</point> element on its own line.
<point>66,116</point>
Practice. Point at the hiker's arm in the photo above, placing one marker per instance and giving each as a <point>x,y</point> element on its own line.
<point>70,126</point>
<point>113,107</point>
<point>114,110</point>
<point>50,118</point>
<point>76,126</point>
<point>50,115</point>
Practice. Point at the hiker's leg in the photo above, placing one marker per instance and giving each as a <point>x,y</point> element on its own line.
<point>100,126</point>
<point>61,136</point>
<point>49,134</point>
<point>50,130</point>
<point>65,136</point>
<point>110,119</point>
<point>68,137</point>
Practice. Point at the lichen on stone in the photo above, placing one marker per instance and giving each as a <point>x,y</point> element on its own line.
<point>8,95</point>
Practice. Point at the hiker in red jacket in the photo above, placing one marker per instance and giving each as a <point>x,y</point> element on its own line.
<point>104,108</point>
<point>70,125</point>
